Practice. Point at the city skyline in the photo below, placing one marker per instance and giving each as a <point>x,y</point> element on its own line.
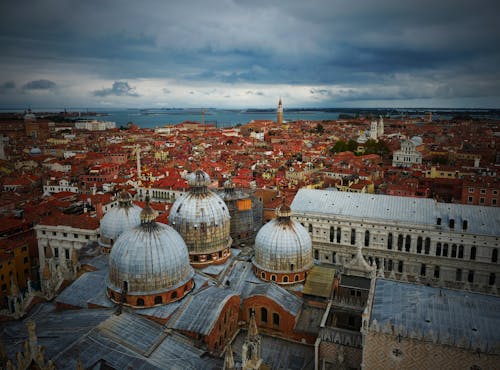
<point>234,54</point>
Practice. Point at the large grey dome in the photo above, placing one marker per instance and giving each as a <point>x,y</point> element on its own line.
<point>119,219</point>
<point>203,220</point>
<point>150,260</point>
<point>283,245</point>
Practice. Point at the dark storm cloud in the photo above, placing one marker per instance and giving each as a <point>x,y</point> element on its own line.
<point>39,85</point>
<point>445,48</point>
<point>7,87</point>
<point>119,88</point>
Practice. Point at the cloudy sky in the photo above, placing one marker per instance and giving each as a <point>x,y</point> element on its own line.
<point>237,53</point>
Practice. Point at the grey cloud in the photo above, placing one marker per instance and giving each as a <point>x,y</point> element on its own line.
<point>166,91</point>
<point>119,88</point>
<point>39,85</point>
<point>8,85</point>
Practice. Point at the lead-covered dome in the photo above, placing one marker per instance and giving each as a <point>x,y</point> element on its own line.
<point>203,220</point>
<point>149,265</point>
<point>283,249</point>
<point>119,219</point>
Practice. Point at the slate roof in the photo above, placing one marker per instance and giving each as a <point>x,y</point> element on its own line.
<point>458,318</point>
<point>201,310</point>
<point>480,220</point>
<point>289,301</point>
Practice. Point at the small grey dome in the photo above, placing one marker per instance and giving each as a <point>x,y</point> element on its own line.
<point>119,219</point>
<point>283,245</point>
<point>198,179</point>
<point>152,258</point>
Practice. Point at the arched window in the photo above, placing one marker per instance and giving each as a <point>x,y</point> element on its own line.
<point>473,253</point>
<point>438,249</point>
<point>494,255</point>
<point>408,243</point>
<point>436,272</point>
<point>470,276</point>
<point>451,224</point>
<point>285,279</point>
<point>310,228</point>
<point>453,251</point>
<point>174,294</point>
<point>367,238</point>
<point>263,314</point>
<point>140,302</point>
<point>338,234</point>
<point>353,236</point>
<point>296,278</point>
<point>492,279</point>
<point>419,244</point>
<point>332,234</point>
<point>158,299</point>
<point>292,266</point>
<point>125,286</point>
<point>422,269</point>
<point>263,275</point>
<point>389,241</point>
<point>464,224</point>
<point>273,277</point>
<point>427,247</point>
<point>460,251</point>
<point>400,266</point>
<point>276,319</point>
<point>445,250</point>
<point>316,254</point>
<point>400,242</point>
<point>458,275</point>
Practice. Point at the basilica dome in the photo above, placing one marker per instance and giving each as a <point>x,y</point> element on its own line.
<point>149,264</point>
<point>119,219</point>
<point>203,220</point>
<point>283,249</point>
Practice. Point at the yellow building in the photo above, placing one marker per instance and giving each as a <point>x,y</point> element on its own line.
<point>14,263</point>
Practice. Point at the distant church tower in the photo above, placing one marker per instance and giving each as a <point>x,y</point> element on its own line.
<point>280,113</point>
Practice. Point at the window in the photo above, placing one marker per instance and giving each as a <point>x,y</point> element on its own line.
<point>389,265</point>
<point>471,190</point>
<point>56,252</point>
<point>427,245</point>
<point>263,314</point>
<point>66,253</point>
<point>316,254</point>
<point>43,232</point>
<point>292,266</point>
<point>332,234</point>
<point>408,243</point>
<point>422,269</point>
<point>296,278</point>
<point>400,266</point>
<point>158,299</point>
<point>140,302</point>
<point>481,200</point>
<point>492,279</point>
<point>473,253</point>
<point>276,319</point>
<point>438,221</point>
<point>458,275</point>
<point>53,233</point>
<point>353,236</point>
<point>174,294</point>
<point>482,191</point>
<point>25,260</point>
<point>469,199</point>
<point>273,277</point>
<point>445,250</point>
<point>338,234</point>
<point>436,272</point>
<point>285,279</point>
<point>65,234</point>
<point>460,251</point>
<point>263,275</point>
<point>419,244</point>
<point>367,238</point>
<point>453,250</point>
<point>400,242</point>
<point>389,241</point>
<point>310,228</point>
<point>438,249</point>
<point>451,223</point>
<point>470,276</point>
<point>494,255</point>
<point>465,224</point>
<point>75,236</point>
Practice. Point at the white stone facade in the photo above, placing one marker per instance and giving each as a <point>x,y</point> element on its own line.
<point>408,154</point>
<point>62,185</point>
<point>432,254</point>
